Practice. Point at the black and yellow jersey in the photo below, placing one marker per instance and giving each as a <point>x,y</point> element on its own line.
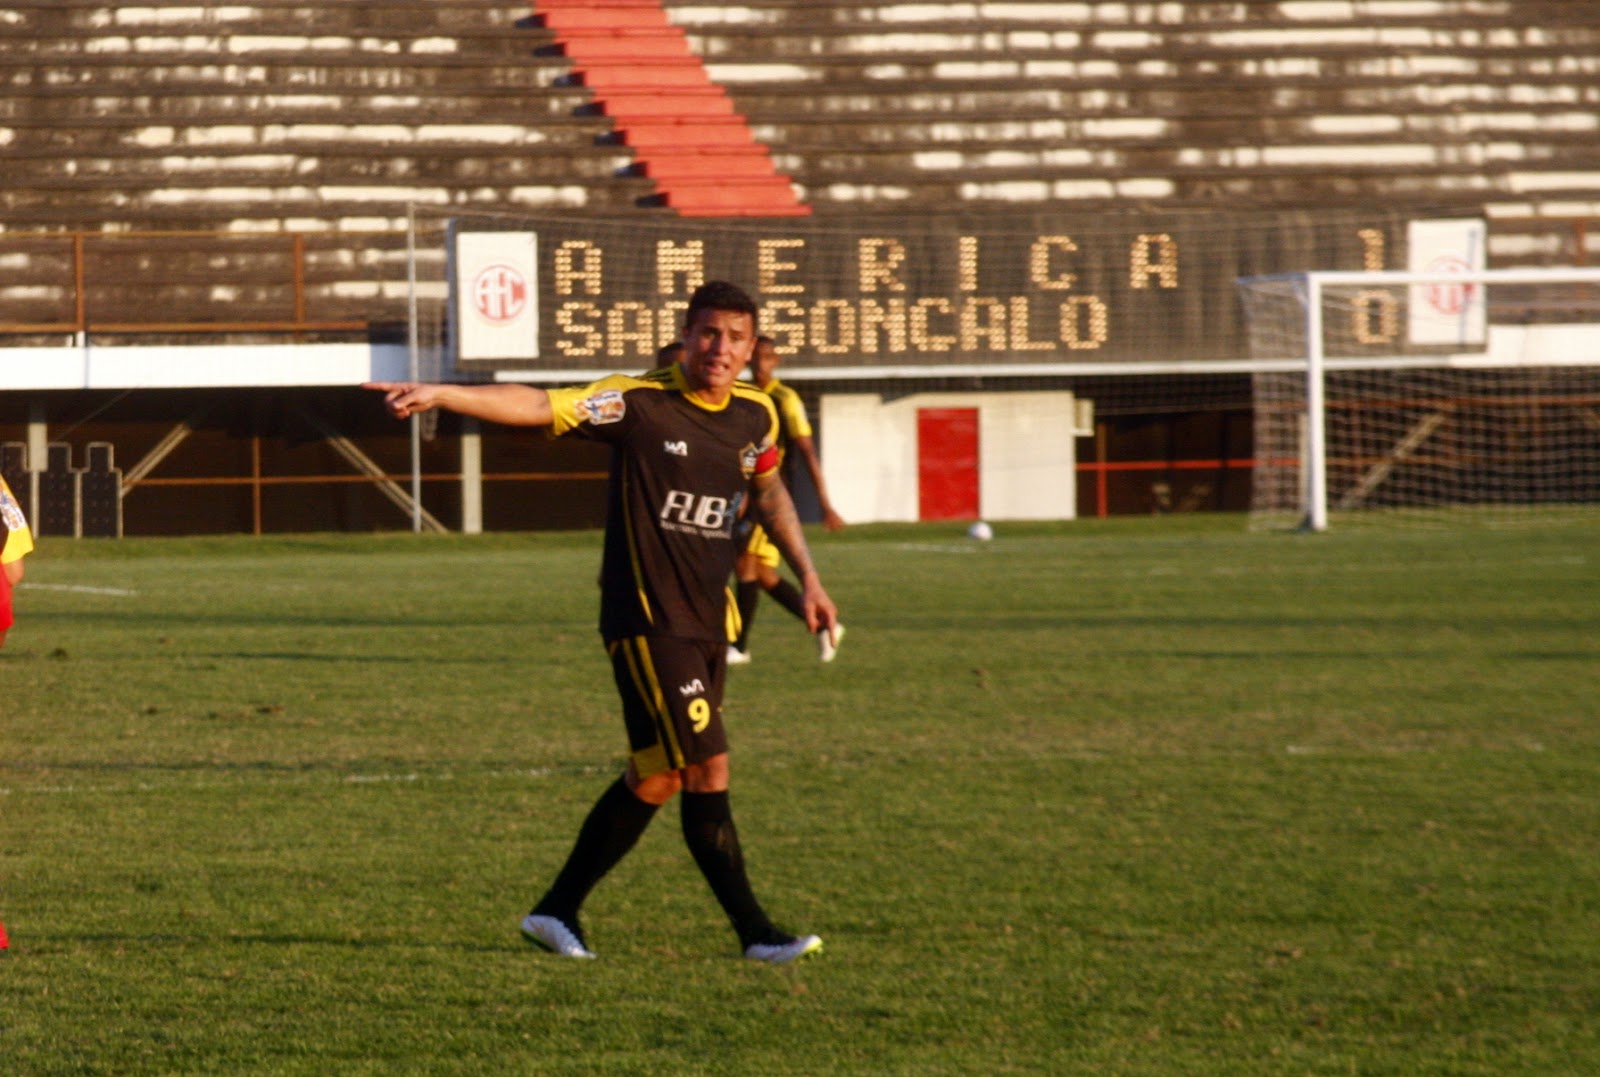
<point>680,473</point>
<point>792,419</point>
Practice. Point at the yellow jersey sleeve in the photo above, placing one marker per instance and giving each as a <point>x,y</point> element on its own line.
<point>18,540</point>
<point>792,410</point>
<point>597,404</point>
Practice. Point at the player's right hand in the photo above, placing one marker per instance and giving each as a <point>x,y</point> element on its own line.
<point>405,398</point>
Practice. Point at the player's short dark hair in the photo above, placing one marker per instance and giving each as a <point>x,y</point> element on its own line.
<point>721,295</point>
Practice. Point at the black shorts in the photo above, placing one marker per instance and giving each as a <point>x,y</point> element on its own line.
<point>671,700</point>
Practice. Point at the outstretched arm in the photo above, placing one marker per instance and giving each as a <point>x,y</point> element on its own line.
<point>774,508</point>
<point>513,405</point>
<point>808,452</point>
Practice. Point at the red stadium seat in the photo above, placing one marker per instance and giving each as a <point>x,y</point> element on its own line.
<point>666,108</point>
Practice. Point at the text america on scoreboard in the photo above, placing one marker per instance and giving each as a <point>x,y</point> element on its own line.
<point>964,292</point>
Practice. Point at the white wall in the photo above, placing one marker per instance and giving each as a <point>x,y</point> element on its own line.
<point>1027,453</point>
<point>200,366</point>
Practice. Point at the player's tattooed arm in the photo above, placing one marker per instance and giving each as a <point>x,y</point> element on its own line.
<point>775,511</point>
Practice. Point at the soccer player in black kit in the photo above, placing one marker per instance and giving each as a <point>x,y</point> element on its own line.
<point>691,446</point>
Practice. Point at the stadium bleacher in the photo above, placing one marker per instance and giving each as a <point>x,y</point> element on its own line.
<point>248,167</point>
<point>282,116</point>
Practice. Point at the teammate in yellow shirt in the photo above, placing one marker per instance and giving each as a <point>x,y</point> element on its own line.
<point>757,570</point>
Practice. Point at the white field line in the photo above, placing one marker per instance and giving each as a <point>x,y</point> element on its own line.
<point>76,588</point>
<point>924,547</point>
<point>326,777</point>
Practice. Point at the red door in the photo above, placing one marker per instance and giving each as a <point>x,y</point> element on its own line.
<point>947,463</point>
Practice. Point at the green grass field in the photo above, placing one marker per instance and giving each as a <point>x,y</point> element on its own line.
<point>1154,796</point>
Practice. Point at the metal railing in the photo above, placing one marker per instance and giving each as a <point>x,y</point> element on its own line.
<point>91,261</point>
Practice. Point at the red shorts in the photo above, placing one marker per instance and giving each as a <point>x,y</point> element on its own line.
<point>5,602</point>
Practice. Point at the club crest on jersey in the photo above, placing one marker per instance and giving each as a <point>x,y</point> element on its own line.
<point>747,459</point>
<point>603,407</point>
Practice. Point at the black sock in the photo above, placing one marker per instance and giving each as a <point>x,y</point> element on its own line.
<point>708,830</point>
<point>789,597</point>
<point>613,826</point>
<point>747,595</point>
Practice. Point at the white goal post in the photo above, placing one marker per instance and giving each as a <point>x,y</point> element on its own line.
<point>1392,392</point>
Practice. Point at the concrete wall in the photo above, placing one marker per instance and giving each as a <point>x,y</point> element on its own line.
<point>1027,453</point>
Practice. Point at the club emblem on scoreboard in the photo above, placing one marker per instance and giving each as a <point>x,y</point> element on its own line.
<point>500,293</point>
<point>1448,298</point>
<point>1442,312</point>
<point>494,283</point>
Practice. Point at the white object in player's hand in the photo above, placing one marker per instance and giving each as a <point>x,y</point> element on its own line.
<point>980,531</point>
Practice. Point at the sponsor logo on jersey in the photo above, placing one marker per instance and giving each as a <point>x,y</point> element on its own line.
<point>702,514</point>
<point>676,448</point>
<point>694,687</point>
<point>603,407</point>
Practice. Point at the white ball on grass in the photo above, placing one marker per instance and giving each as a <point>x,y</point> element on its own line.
<point>980,531</point>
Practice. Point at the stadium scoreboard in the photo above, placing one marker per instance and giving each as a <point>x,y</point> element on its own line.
<point>930,291</point>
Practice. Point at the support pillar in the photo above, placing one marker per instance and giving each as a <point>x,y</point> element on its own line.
<point>471,476</point>
<point>38,448</point>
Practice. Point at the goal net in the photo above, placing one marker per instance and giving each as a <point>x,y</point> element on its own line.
<point>1423,397</point>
